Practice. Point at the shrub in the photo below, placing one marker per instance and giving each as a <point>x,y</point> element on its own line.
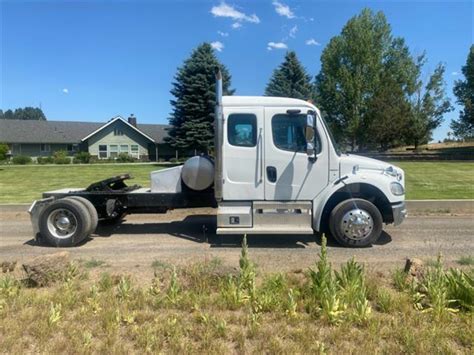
<point>125,158</point>
<point>3,151</point>
<point>45,160</point>
<point>82,158</point>
<point>21,160</point>
<point>60,157</point>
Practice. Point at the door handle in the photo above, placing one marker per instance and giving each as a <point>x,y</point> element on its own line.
<point>271,173</point>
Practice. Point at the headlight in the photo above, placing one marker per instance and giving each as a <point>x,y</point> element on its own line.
<point>397,189</point>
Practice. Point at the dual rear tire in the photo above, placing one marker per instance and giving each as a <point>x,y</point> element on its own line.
<point>68,221</point>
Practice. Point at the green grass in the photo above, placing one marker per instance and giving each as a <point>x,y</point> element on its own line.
<point>438,180</point>
<point>466,260</point>
<point>23,184</point>
<point>93,263</point>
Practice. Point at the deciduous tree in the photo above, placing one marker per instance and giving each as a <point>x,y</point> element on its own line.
<point>428,106</point>
<point>365,70</point>
<point>464,91</point>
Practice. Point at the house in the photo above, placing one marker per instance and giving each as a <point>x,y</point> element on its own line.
<point>104,141</point>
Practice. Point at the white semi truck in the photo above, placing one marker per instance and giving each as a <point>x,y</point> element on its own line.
<point>276,170</point>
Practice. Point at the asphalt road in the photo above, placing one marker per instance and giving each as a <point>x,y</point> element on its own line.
<point>185,236</point>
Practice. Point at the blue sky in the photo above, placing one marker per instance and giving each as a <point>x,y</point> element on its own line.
<point>91,60</point>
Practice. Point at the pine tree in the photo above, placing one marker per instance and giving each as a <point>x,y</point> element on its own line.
<point>464,91</point>
<point>290,80</point>
<point>192,119</point>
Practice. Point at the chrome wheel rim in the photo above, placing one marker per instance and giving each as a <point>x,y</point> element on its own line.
<point>357,224</point>
<point>62,223</point>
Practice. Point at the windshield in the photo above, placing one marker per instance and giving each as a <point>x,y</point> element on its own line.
<point>331,137</point>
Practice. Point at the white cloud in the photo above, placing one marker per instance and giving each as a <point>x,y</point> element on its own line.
<point>276,45</point>
<point>312,42</point>
<point>224,10</point>
<point>283,10</point>
<point>293,31</point>
<point>223,34</point>
<point>65,91</point>
<point>218,46</point>
<point>236,25</point>
<point>454,73</point>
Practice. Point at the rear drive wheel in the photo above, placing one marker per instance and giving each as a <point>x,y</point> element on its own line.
<point>65,223</point>
<point>355,223</point>
<point>91,209</point>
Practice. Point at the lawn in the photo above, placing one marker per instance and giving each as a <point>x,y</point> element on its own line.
<point>438,180</point>
<point>23,184</point>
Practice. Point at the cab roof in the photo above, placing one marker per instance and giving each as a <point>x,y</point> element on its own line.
<point>249,101</point>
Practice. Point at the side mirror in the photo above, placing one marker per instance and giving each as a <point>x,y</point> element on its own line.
<point>310,132</point>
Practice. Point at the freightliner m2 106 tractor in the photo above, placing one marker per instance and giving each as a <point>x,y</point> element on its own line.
<point>276,170</point>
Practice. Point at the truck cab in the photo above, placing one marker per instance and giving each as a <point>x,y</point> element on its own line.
<point>278,171</point>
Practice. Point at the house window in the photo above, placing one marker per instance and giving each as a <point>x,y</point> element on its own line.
<point>118,132</point>
<point>113,150</point>
<point>124,148</point>
<point>72,148</point>
<point>134,150</point>
<point>102,151</point>
<point>16,148</point>
<point>45,148</point>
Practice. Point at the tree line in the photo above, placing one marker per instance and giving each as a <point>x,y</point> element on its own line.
<point>370,89</point>
<point>27,113</point>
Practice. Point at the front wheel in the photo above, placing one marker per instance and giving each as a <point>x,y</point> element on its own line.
<point>356,223</point>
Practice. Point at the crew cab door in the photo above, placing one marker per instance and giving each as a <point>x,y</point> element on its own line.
<point>289,174</point>
<point>243,154</point>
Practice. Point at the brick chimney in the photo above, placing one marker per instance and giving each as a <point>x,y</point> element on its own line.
<point>132,120</point>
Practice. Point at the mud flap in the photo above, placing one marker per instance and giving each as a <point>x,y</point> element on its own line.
<point>35,211</point>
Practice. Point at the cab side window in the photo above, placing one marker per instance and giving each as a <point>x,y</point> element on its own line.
<point>288,133</point>
<point>242,130</point>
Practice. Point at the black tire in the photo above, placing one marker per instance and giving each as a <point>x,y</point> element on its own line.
<point>91,209</point>
<point>366,212</point>
<point>76,211</point>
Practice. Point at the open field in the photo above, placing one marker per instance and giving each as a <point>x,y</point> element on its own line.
<point>209,308</point>
<point>23,184</point>
<point>438,180</point>
<point>19,184</point>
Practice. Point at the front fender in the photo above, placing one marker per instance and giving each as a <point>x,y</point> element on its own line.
<point>374,179</point>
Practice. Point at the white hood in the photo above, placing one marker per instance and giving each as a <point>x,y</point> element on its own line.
<point>351,160</point>
<point>351,163</point>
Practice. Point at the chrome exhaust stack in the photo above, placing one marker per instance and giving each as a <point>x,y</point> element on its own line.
<point>218,137</point>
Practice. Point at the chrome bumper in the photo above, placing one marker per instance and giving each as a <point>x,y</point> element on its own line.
<point>399,212</point>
